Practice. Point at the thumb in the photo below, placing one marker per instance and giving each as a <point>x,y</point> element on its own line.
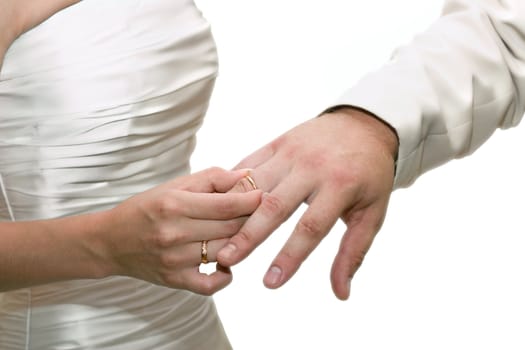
<point>215,179</point>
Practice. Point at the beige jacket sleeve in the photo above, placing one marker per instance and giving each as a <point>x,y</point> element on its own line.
<point>447,91</point>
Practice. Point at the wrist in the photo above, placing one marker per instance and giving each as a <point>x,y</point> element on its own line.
<point>381,130</point>
<point>89,234</point>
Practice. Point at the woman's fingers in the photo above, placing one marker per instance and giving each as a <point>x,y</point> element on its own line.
<point>213,229</point>
<point>181,267</point>
<point>214,206</point>
<point>157,235</point>
<point>208,284</point>
<point>191,254</point>
<point>210,180</point>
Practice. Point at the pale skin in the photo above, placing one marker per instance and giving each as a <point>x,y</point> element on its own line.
<point>351,152</point>
<point>19,16</point>
<point>342,164</point>
<point>154,236</point>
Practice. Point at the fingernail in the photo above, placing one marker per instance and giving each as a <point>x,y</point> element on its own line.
<point>228,251</point>
<point>273,276</point>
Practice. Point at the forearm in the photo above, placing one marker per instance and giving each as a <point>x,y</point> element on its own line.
<point>39,252</point>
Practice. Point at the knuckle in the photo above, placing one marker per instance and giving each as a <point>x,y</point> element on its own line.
<point>169,280</point>
<point>278,143</point>
<point>162,240</point>
<point>273,206</point>
<point>344,177</point>
<point>310,228</point>
<point>288,255</point>
<point>168,260</point>
<point>244,237</point>
<point>314,161</point>
<point>166,239</point>
<point>168,206</point>
<point>214,171</point>
<point>207,288</point>
<point>214,174</point>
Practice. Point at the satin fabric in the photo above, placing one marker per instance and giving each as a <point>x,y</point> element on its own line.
<point>98,103</point>
<point>449,89</point>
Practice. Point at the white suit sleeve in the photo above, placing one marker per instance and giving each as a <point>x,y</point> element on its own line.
<point>447,91</point>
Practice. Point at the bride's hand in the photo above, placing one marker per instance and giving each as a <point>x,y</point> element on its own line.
<point>157,235</point>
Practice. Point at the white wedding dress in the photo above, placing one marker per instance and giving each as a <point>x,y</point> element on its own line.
<point>98,103</point>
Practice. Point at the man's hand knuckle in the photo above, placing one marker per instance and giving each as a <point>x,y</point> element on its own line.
<point>274,206</point>
<point>244,237</point>
<point>289,256</point>
<point>310,228</point>
<point>344,177</point>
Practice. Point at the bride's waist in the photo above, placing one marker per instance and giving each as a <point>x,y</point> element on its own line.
<point>42,189</point>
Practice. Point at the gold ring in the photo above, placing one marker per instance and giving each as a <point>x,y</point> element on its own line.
<point>251,181</point>
<point>204,252</point>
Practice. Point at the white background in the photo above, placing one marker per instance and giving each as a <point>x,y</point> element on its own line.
<point>446,270</point>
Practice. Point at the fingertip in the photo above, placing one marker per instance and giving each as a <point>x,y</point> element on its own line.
<point>261,194</point>
<point>221,278</point>
<point>340,281</point>
<point>225,256</point>
<point>225,270</point>
<point>273,277</point>
<point>226,180</point>
<point>341,289</point>
<point>344,291</point>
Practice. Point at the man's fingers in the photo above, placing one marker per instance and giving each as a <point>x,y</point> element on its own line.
<point>362,228</point>
<point>266,176</point>
<point>312,227</point>
<point>256,158</point>
<point>274,209</point>
<point>247,184</point>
